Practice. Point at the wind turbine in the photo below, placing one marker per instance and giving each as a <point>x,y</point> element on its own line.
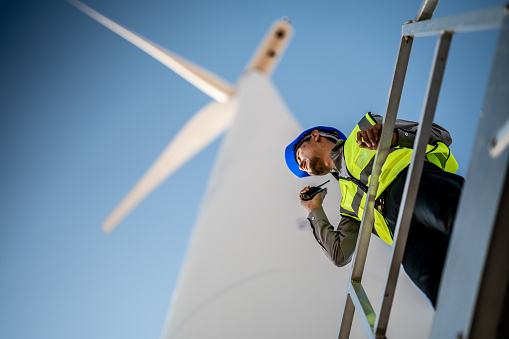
<point>251,270</point>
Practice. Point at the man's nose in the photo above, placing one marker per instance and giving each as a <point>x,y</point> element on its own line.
<point>300,165</point>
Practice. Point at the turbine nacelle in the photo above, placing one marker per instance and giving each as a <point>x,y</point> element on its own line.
<point>272,48</point>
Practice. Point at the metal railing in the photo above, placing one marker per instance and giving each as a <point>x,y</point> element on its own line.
<point>375,323</point>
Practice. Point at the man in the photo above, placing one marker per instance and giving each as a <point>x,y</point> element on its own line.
<point>322,150</point>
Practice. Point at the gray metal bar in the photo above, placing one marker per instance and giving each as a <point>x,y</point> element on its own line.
<point>493,288</point>
<point>426,10</point>
<point>383,150</point>
<point>483,19</point>
<point>346,317</point>
<point>364,237</point>
<point>412,181</point>
<point>361,302</point>
<point>477,267</point>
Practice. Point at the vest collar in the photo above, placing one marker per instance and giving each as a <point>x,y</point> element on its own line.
<point>337,157</point>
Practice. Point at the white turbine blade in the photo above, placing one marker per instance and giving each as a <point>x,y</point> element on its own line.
<point>203,128</point>
<point>209,83</point>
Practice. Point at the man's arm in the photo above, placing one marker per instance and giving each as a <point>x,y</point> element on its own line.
<point>406,131</point>
<point>404,134</point>
<point>338,245</point>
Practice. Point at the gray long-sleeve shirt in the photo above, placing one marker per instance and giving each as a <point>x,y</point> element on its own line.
<point>339,245</point>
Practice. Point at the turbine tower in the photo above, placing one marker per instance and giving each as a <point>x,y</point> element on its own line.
<point>252,269</point>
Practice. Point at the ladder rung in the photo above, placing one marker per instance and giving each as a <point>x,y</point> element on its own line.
<point>483,19</point>
<point>361,301</point>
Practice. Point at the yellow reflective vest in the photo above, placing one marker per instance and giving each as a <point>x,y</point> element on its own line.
<point>359,165</point>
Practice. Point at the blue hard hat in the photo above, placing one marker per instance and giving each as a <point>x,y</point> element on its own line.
<point>291,161</point>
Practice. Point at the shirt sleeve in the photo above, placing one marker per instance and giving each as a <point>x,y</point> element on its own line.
<point>407,130</point>
<point>338,245</point>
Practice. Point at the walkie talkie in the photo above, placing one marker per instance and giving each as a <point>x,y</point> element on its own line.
<point>314,190</point>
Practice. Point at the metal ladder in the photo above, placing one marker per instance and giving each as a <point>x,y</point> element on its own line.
<point>488,273</point>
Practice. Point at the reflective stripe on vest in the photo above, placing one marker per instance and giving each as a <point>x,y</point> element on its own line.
<point>359,164</point>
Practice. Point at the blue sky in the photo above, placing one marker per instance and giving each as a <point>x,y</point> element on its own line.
<point>84,114</point>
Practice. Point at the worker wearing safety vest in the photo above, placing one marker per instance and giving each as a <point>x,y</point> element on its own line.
<point>321,150</point>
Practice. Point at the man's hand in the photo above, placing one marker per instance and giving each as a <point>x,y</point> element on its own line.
<point>316,202</point>
<point>369,137</point>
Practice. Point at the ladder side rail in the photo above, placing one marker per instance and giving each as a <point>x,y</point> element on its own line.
<point>475,272</point>
<point>482,19</point>
<point>345,326</point>
<point>382,153</point>
<point>412,181</point>
<point>367,222</point>
<point>426,10</point>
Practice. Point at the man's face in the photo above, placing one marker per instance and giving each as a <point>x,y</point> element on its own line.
<point>309,159</point>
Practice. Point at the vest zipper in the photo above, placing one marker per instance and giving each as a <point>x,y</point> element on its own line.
<point>356,181</point>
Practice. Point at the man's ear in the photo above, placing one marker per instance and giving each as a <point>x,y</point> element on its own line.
<point>315,135</point>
